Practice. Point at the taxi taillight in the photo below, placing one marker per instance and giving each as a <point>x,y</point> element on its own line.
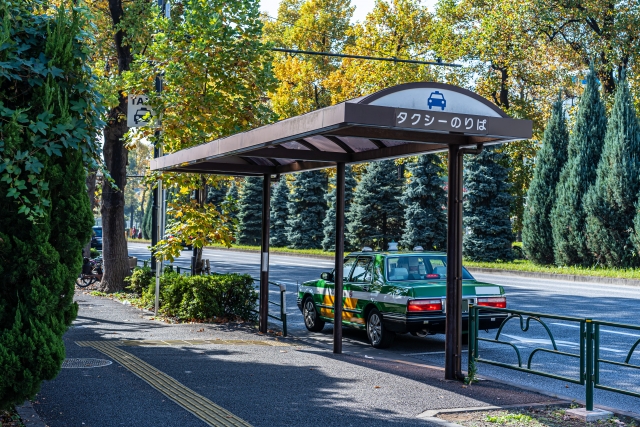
<point>497,302</point>
<point>424,305</point>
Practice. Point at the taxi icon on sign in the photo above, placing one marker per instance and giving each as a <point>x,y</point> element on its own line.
<point>140,114</point>
<point>436,99</point>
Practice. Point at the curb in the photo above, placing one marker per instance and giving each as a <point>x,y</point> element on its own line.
<point>629,414</point>
<point>29,416</point>
<point>432,415</point>
<point>555,276</point>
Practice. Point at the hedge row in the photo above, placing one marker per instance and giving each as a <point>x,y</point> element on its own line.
<point>221,296</point>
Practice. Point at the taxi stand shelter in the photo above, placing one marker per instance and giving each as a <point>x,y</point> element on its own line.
<point>404,120</point>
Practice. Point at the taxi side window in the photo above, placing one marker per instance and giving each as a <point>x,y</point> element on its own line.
<point>362,271</point>
<point>348,264</point>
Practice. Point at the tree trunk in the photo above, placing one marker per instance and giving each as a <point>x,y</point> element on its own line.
<point>91,192</point>
<point>114,244</point>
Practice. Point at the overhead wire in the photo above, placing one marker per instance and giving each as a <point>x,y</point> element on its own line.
<point>389,59</point>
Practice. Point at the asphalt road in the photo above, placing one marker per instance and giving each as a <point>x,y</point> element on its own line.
<point>583,300</point>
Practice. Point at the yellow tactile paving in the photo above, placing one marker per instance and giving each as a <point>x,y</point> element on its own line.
<point>125,343</point>
<point>198,405</point>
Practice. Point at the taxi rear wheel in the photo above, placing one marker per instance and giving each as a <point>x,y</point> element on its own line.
<point>312,319</point>
<point>379,336</point>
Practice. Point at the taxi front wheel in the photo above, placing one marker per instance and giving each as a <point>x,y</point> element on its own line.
<point>379,336</point>
<point>311,317</point>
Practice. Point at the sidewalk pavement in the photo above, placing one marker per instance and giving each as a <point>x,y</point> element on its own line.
<point>150,373</point>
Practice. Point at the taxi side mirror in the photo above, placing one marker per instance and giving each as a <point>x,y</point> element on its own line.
<point>327,276</point>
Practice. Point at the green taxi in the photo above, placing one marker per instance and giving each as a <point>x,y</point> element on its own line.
<point>396,292</point>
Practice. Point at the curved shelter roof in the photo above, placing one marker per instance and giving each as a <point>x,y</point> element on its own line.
<point>403,120</point>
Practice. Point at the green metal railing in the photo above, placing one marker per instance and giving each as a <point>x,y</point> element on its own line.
<point>597,360</point>
<point>282,304</point>
<point>589,353</point>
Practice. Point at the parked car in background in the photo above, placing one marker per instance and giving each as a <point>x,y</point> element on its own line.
<point>396,292</point>
<point>96,238</point>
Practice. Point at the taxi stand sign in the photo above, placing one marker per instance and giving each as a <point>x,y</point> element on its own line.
<point>139,112</point>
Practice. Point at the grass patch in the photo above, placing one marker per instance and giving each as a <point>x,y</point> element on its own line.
<point>526,265</point>
<point>540,416</point>
<point>285,250</point>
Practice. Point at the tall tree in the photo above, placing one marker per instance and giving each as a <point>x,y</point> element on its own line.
<point>610,202</point>
<point>307,209</point>
<point>134,43</point>
<point>486,209</point>
<point>375,217</point>
<point>315,25</point>
<point>250,212</point>
<point>329,222</point>
<point>51,111</point>
<point>509,64</point>
<point>537,235</point>
<point>424,201</point>
<point>579,173</point>
<point>279,214</point>
<point>394,28</point>
<point>604,30</point>
<point>118,33</point>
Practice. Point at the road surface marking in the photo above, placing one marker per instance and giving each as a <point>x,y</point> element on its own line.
<point>601,330</point>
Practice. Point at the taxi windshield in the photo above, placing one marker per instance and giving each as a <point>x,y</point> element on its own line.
<point>423,267</point>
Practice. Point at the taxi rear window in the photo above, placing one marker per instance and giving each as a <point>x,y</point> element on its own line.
<point>427,267</point>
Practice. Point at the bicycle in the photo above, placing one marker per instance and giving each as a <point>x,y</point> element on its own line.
<point>91,272</point>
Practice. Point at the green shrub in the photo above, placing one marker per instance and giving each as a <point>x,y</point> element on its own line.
<point>140,279</point>
<point>230,296</point>
<point>94,253</point>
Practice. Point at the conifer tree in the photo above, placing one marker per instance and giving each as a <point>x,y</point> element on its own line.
<point>232,200</point>
<point>279,214</point>
<point>578,174</point>
<point>146,220</point>
<point>250,212</point>
<point>610,202</point>
<point>216,194</point>
<point>329,222</point>
<point>230,206</point>
<point>486,209</point>
<point>307,210</point>
<point>635,236</point>
<point>424,200</point>
<point>41,239</point>
<point>537,236</point>
<point>375,217</point>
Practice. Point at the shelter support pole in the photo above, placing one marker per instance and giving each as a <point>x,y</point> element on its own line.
<point>453,340</point>
<point>155,194</point>
<point>264,259</point>
<point>194,251</point>
<point>154,213</point>
<point>338,275</point>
